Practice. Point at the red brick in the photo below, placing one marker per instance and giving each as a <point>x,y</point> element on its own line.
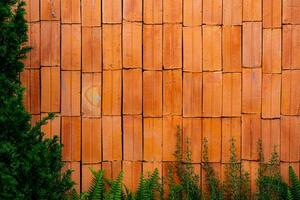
<point>212,12</point>
<point>132,172</point>
<point>112,87</point>
<point>170,128</point>
<point>270,137</point>
<point>252,39</point>
<point>232,89</point>
<point>34,38</point>
<point>112,11</point>
<point>213,133</point>
<point>152,47</point>
<point>75,176</point>
<point>91,140</point>
<point>192,49</point>
<point>251,134</point>
<point>232,48</point>
<point>152,139</point>
<point>192,12</point>
<point>172,46</point>
<point>91,49</point>
<point>50,89</point>
<point>153,11</point>
<point>212,43</point>
<point>290,96</point>
<point>291,14</point>
<point>149,167</point>
<point>251,90</point>
<point>132,137</point>
<point>32,8</point>
<point>87,176</point>
<point>50,47</point>
<point>152,93</point>
<point>132,91</point>
<point>112,169</point>
<point>271,92</point>
<point>132,45</point>
<point>252,10</point>
<point>91,95</point>
<point>252,168</point>
<point>172,11</point>
<point>70,11</point>
<point>91,13</point>
<point>212,94</point>
<point>52,127</point>
<point>172,92</point>
<point>50,9</point>
<point>70,93</point>
<point>71,47</point>
<point>132,10</point>
<point>232,12</point>
<point>112,137</point>
<point>112,44</point>
<point>272,13</point>
<point>271,51</point>
<point>71,138</point>
<point>192,94</point>
<point>291,50</point>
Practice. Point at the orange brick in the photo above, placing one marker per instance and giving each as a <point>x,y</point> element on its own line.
<point>212,43</point>
<point>192,94</point>
<point>34,38</point>
<point>91,95</point>
<point>152,93</point>
<point>172,92</point>
<point>192,49</point>
<point>272,13</point>
<point>271,92</point>
<point>251,133</point>
<point>87,176</point>
<point>132,137</point>
<point>91,13</point>
<point>212,11</point>
<point>132,10</point>
<point>50,10</point>
<point>291,14</point>
<point>212,94</point>
<point>71,138</point>
<point>52,127</point>
<point>132,45</point>
<point>172,11</point>
<point>213,133</point>
<point>71,47</point>
<point>291,50</point>
<point>149,167</point>
<point>270,137</point>
<point>70,93</point>
<point>284,170</point>
<point>252,10</point>
<point>132,91</point>
<point>70,11</point>
<point>170,124</point>
<point>91,140</point>
<point>251,87</point>
<point>152,47</point>
<point>217,168</point>
<point>132,172</point>
<point>91,49</point>
<point>50,89</point>
<point>34,119</point>
<point>232,49</point>
<point>112,43</point>
<point>112,11</point>
<point>32,8</point>
<point>112,86</point>
<point>232,89</point>
<point>271,51</point>
<point>172,46</point>
<point>50,47</point>
<point>152,139</point>
<point>75,176</point>
<point>232,12</point>
<point>252,168</point>
<point>192,12</point>
<point>290,96</point>
<point>153,11</point>
<point>252,39</point>
<point>112,169</point>
<point>112,135</point>
<point>192,131</point>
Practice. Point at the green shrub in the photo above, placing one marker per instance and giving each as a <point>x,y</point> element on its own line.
<point>294,191</point>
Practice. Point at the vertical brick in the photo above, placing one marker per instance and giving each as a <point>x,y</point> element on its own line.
<point>87,176</point>
<point>252,33</point>
<point>132,172</point>
<point>291,51</point>
<point>270,137</point>
<point>34,41</point>
<point>271,51</point>
<point>272,13</point>
<point>153,11</point>
<point>34,119</point>
<point>212,11</point>
<point>251,87</point>
<point>71,47</point>
<point>112,11</point>
<point>112,169</point>
<point>192,49</point>
<point>70,11</point>
<point>132,91</point>
<point>152,47</point>
<point>212,94</point>
<point>132,10</point>
<point>212,48</point>
<point>252,10</point>
<point>284,170</point>
<point>172,11</point>
<point>150,167</point>
<point>232,48</point>
<point>70,93</point>
<point>112,135</point>
<point>192,12</point>
<point>153,131</point>
<point>172,92</point>
<point>32,8</point>
<point>52,127</point>
<point>192,94</point>
<point>91,13</point>
<point>50,10</point>
<point>217,168</point>
<point>232,12</point>
<point>271,92</point>
<point>232,89</point>
<point>291,14</point>
<point>251,167</point>
<point>172,46</point>
<point>132,45</point>
<point>75,176</point>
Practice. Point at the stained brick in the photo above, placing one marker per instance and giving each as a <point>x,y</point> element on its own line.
<point>112,11</point>
<point>172,11</point>
<point>34,38</point>
<point>270,137</point>
<point>192,12</point>
<point>91,13</point>
<point>52,127</point>
<point>50,9</point>
<point>212,12</point>
<point>132,173</point>
<point>232,12</point>
<point>252,10</point>
<point>153,11</point>
<point>132,10</point>
<point>70,11</point>
<point>87,176</point>
<point>272,13</point>
<point>291,14</point>
<point>75,176</point>
<point>32,8</point>
<point>271,51</point>
<point>112,169</point>
<point>291,50</point>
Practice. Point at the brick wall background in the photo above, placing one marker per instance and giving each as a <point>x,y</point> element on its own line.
<point>122,74</point>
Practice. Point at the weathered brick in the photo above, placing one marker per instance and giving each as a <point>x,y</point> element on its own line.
<point>212,12</point>
<point>91,12</point>
<point>252,10</point>
<point>270,137</point>
<point>272,13</point>
<point>50,10</point>
<point>70,11</point>
<point>112,169</point>
<point>232,12</point>
<point>153,11</point>
<point>87,176</point>
<point>112,11</point>
<point>75,176</point>
<point>291,50</point>
<point>52,127</point>
<point>192,12</point>
<point>132,172</point>
<point>132,10</point>
<point>232,48</point>
<point>153,133</point>
<point>252,168</point>
<point>32,8</point>
<point>150,167</point>
<point>271,51</point>
<point>172,11</point>
<point>291,12</point>
<point>34,41</point>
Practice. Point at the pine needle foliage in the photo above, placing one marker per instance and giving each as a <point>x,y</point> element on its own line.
<point>295,185</point>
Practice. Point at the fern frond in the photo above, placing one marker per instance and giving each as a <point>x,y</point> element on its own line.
<point>96,190</point>
<point>115,192</point>
<point>295,184</point>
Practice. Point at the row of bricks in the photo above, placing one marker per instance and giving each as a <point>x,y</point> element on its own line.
<point>188,12</point>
